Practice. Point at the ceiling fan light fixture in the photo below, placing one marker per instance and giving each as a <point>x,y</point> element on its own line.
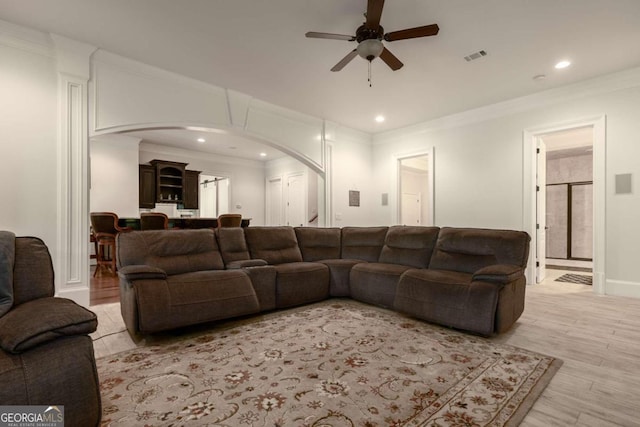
<point>370,49</point>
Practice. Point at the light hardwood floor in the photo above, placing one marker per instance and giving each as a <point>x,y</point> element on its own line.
<point>597,337</point>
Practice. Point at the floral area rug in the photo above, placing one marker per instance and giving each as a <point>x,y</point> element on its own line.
<point>337,363</point>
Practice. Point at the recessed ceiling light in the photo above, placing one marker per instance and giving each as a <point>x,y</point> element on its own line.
<point>538,77</point>
<point>263,154</point>
<point>562,64</point>
<point>201,140</point>
<point>379,119</point>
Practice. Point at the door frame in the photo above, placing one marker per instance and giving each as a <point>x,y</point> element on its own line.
<point>397,184</point>
<point>598,124</point>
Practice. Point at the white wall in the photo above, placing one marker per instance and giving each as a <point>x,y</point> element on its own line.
<point>246,176</point>
<point>28,140</point>
<point>352,170</point>
<point>114,175</point>
<point>479,167</point>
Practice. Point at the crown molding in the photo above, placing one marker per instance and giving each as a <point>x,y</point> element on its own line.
<point>596,86</point>
<point>26,39</point>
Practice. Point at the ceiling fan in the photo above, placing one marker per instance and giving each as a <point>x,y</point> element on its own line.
<point>370,35</point>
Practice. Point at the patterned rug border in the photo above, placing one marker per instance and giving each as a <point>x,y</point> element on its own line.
<point>182,335</point>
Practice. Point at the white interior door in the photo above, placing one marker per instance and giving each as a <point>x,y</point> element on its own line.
<point>541,211</point>
<point>274,201</point>
<point>411,209</point>
<point>296,200</point>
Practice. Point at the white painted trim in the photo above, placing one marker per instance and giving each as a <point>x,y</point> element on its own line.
<point>72,269</point>
<point>623,288</point>
<point>394,198</point>
<point>26,39</point>
<point>599,193</point>
<point>72,272</point>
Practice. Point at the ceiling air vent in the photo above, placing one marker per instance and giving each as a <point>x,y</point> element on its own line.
<point>475,55</point>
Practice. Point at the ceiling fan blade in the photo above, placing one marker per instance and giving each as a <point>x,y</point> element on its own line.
<point>374,13</point>
<point>340,65</point>
<point>316,35</point>
<point>412,33</point>
<point>391,60</point>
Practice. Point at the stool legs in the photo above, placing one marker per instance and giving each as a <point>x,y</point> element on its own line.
<point>106,255</point>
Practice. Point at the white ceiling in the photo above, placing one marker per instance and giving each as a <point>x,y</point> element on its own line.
<point>220,143</point>
<point>259,48</point>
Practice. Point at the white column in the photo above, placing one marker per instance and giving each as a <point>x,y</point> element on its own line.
<point>72,269</point>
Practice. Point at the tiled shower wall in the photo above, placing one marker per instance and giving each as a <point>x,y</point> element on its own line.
<point>567,170</point>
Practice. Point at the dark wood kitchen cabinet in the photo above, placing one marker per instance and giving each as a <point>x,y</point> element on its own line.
<point>168,182</point>
<point>191,189</point>
<point>147,186</point>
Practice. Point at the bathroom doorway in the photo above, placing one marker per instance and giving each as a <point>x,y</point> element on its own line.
<point>568,193</point>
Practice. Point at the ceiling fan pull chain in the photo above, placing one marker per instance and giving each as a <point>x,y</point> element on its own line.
<point>369,79</point>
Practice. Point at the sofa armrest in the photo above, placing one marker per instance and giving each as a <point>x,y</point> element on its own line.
<point>234,265</point>
<point>141,272</point>
<point>500,273</point>
<point>41,320</point>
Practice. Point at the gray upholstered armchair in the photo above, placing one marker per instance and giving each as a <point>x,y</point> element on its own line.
<point>46,355</point>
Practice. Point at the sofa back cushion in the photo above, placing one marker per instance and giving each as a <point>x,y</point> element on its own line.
<point>318,243</point>
<point>232,244</point>
<point>364,243</point>
<point>33,275</point>
<point>276,245</point>
<point>469,249</point>
<point>409,245</point>
<point>174,251</point>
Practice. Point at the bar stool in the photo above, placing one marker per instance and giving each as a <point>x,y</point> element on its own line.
<point>154,221</point>
<point>105,229</point>
<point>229,220</point>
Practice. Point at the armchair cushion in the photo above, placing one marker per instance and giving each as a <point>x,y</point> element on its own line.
<point>42,320</point>
<point>7,258</point>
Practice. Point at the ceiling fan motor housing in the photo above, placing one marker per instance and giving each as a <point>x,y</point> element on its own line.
<point>369,42</point>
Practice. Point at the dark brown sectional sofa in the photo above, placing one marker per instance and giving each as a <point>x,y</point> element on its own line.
<point>465,278</point>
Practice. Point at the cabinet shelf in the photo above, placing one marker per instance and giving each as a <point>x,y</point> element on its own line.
<point>168,182</point>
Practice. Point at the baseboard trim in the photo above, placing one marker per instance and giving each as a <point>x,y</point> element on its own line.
<point>622,288</point>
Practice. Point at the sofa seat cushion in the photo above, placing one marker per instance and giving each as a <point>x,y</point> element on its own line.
<point>192,298</point>
<point>339,270</point>
<point>448,298</point>
<point>375,282</point>
<point>301,283</point>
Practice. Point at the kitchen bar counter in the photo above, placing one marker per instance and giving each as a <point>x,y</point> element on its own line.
<point>134,223</point>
